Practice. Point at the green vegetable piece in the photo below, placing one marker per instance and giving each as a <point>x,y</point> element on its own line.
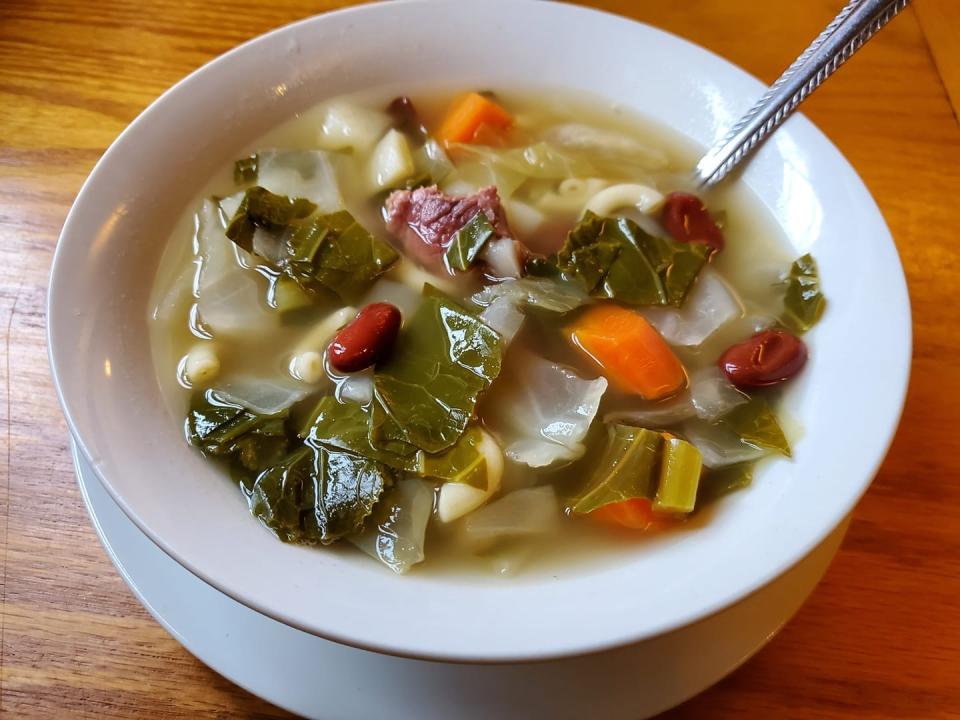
<point>334,252</point>
<point>756,425</point>
<point>463,463</point>
<point>223,428</point>
<point>680,469</point>
<point>245,170</point>
<point>260,208</point>
<point>468,241</point>
<point>316,494</point>
<point>803,303</point>
<point>425,393</point>
<point>287,296</point>
<point>347,426</point>
<point>624,472</point>
<point>722,481</point>
<point>614,258</point>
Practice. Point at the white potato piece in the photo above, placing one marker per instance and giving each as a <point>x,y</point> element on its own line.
<point>458,499</point>
<point>625,195</point>
<point>201,364</point>
<point>346,125</point>
<point>391,162</point>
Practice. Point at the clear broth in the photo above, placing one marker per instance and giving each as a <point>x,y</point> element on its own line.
<point>752,262</point>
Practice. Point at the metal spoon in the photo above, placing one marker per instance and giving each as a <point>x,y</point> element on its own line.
<point>857,22</point>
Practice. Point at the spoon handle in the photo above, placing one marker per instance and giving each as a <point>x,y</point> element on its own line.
<point>857,22</point>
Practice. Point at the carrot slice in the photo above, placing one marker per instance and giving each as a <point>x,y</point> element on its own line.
<point>468,114</point>
<point>636,514</point>
<point>629,351</point>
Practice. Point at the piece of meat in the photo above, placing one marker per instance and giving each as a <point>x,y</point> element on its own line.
<point>425,220</point>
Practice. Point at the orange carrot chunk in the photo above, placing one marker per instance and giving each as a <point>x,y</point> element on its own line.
<point>468,114</point>
<point>636,514</point>
<point>630,353</point>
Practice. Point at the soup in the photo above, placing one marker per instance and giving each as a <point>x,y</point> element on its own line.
<point>488,329</point>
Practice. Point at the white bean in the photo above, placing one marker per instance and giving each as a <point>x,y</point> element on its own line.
<point>201,365</point>
<point>308,367</point>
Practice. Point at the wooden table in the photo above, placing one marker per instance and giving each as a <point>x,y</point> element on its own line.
<point>880,638</point>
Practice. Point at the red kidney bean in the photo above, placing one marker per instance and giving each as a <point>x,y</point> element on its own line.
<point>405,117</point>
<point>366,339</point>
<point>768,358</point>
<point>687,220</point>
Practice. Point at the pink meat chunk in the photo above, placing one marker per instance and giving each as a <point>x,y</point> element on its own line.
<point>425,220</point>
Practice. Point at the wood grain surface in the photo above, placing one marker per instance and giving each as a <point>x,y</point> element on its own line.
<point>880,637</point>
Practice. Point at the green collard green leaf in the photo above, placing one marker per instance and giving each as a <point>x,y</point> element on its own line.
<point>260,208</point>
<point>317,494</point>
<point>723,481</point>
<point>468,241</point>
<point>222,428</point>
<point>245,170</point>
<point>756,425</point>
<point>803,302</point>
<point>334,252</point>
<point>425,393</point>
<point>464,463</point>
<point>320,253</point>
<point>614,258</point>
<point>347,426</point>
<point>625,471</point>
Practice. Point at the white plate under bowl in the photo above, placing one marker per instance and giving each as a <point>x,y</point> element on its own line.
<point>848,399</point>
<point>322,679</point>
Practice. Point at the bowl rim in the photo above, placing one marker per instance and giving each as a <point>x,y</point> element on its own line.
<point>707,608</point>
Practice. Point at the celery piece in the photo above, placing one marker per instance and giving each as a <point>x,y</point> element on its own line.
<point>679,477</point>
